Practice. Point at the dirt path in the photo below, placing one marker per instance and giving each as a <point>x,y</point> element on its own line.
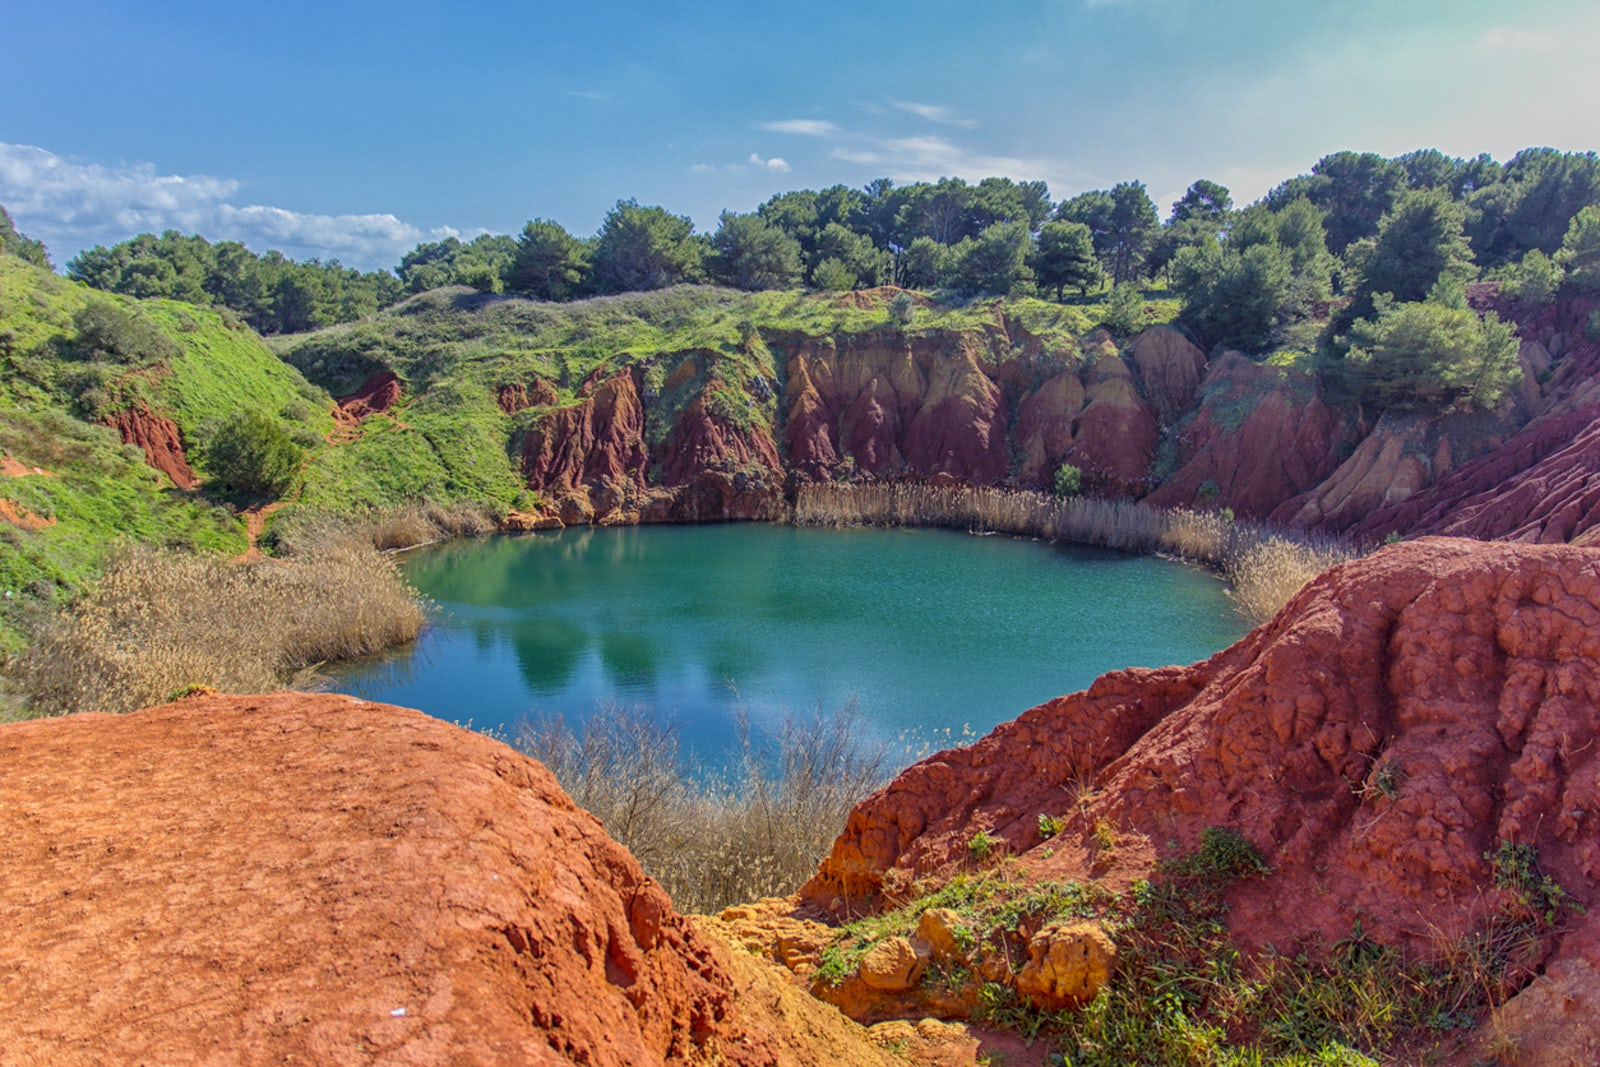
<point>255,521</point>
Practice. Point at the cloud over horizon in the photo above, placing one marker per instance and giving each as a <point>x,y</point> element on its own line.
<point>72,206</point>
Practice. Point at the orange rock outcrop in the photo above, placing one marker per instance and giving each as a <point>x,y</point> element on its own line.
<point>314,879</point>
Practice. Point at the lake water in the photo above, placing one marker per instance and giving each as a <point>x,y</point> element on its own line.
<point>928,632</point>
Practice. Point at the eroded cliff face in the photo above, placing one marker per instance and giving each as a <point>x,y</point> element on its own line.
<point>159,438</point>
<point>1150,419</point>
<point>312,878</point>
<point>1522,472</point>
<point>893,405</point>
<point>1259,436</point>
<point>985,406</point>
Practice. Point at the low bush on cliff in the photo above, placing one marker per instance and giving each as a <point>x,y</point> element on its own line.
<point>161,621</point>
<point>758,830</point>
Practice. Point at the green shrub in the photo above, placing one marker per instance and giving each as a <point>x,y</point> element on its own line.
<point>1124,310</point>
<point>1430,354</point>
<point>109,332</point>
<point>252,454</point>
<point>1068,481</point>
<point>901,308</point>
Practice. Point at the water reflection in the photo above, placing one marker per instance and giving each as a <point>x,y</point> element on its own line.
<point>926,630</point>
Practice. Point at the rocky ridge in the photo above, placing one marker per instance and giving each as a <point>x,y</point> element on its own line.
<point>1151,419</point>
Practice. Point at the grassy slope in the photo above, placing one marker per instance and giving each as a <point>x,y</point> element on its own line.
<point>100,491</point>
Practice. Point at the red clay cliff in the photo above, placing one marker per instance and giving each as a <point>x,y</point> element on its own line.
<point>1403,715</point>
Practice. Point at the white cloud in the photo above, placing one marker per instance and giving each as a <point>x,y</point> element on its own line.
<point>1516,39</point>
<point>775,165</point>
<point>804,127</point>
<point>929,158</point>
<point>934,113</point>
<point>71,206</point>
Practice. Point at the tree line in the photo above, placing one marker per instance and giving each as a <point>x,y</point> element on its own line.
<point>1365,252</point>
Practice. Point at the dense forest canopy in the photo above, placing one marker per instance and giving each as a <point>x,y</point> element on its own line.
<point>1340,252</point>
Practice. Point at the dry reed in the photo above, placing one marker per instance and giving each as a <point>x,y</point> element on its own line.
<point>1265,567</point>
<point>759,830</point>
<point>407,526</point>
<point>159,622</point>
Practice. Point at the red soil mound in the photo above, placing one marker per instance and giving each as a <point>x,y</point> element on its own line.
<point>11,467</point>
<point>1403,715</point>
<point>319,880</point>
<point>377,395</point>
<point>158,436</point>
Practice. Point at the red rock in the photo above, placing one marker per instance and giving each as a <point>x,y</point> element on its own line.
<point>1543,485</point>
<point>158,437</point>
<point>1169,368</point>
<point>1260,436</point>
<point>701,441</point>
<point>1114,437</point>
<point>516,397</point>
<point>1043,433</point>
<point>1402,456</point>
<point>1400,717</point>
<point>599,439</point>
<point>896,404</point>
<point>377,395</point>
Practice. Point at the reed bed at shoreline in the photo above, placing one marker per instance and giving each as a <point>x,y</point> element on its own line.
<point>1264,567</point>
<point>388,530</point>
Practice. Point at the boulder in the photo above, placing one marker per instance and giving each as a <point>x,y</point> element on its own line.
<point>892,965</point>
<point>1068,964</point>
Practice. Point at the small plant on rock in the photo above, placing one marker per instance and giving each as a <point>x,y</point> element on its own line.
<point>981,846</point>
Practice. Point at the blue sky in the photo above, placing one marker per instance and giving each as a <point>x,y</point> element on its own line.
<point>355,129</point>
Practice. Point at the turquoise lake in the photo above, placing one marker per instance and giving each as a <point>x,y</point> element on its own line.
<point>927,632</point>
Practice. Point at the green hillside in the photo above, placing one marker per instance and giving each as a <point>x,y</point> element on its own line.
<point>72,358</point>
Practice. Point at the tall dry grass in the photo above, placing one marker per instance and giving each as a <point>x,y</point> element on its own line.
<point>711,841</point>
<point>1265,567</point>
<point>159,622</point>
<point>407,526</point>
